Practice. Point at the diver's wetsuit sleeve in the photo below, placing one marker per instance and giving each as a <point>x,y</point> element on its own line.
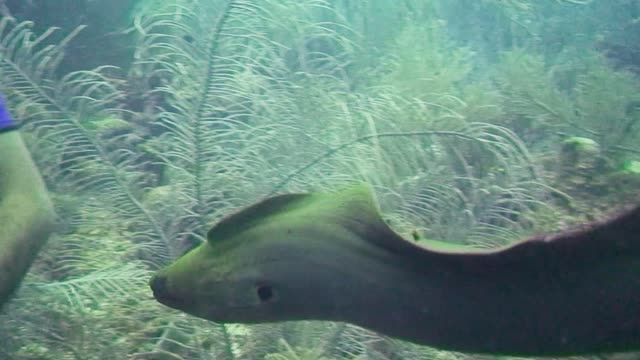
<point>7,123</point>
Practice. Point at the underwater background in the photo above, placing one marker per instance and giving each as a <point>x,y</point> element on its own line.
<point>477,122</point>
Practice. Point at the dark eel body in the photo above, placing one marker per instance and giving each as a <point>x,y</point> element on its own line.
<point>332,257</point>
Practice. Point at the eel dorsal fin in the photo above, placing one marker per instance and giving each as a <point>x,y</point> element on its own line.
<point>254,215</point>
<point>352,209</point>
<point>612,239</point>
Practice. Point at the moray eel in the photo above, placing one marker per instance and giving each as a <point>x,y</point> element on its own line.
<point>332,257</point>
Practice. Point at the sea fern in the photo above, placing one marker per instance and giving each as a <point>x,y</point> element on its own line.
<point>208,108</point>
<point>102,176</point>
<point>57,110</point>
<point>245,103</point>
<point>607,104</point>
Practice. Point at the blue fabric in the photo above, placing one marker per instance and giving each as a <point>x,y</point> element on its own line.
<point>6,121</point>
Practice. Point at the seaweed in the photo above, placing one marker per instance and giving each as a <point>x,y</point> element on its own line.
<point>225,102</point>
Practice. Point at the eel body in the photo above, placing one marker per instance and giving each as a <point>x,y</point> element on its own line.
<point>332,257</point>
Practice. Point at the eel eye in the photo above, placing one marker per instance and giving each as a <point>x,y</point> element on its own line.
<point>265,292</point>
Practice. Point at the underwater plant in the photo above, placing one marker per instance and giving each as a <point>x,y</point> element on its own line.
<point>225,103</point>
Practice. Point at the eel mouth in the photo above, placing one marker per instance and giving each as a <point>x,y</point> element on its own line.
<point>161,292</point>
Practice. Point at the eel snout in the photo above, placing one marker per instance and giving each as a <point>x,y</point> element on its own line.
<point>160,287</point>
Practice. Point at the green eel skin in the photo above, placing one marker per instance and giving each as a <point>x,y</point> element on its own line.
<point>332,257</point>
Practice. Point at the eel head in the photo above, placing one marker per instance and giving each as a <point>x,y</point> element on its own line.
<point>275,261</point>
